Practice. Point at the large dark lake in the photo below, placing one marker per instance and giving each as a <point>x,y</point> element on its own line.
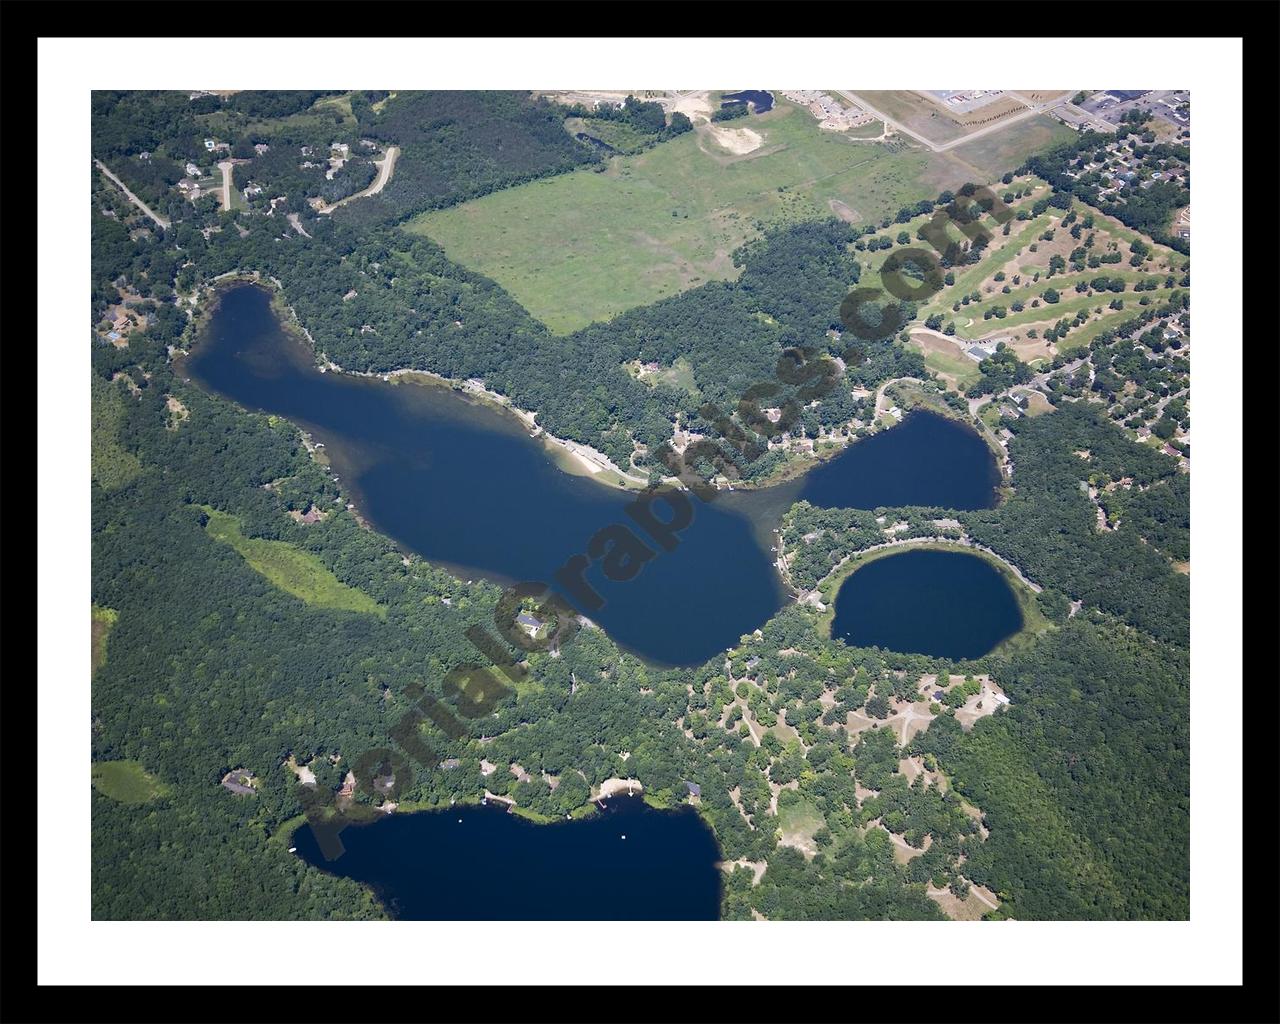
<point>627,863</point>
<point>463,485</point>
<point>945,603</point>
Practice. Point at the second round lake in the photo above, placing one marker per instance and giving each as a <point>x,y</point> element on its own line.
<point>943,603</point>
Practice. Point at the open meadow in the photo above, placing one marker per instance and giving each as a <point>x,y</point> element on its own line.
<point>588,245</point>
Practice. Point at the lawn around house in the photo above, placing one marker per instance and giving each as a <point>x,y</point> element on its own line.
<point>293,570</point>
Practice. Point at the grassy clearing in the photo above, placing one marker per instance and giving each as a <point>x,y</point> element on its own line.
<point>126,781</point>
<point>618,134</point>
<point>585,246</point>
<point>959,371</point>
<point>102,620</point>
<point>1067,308</point>
<point>111,465</point>
<point>293,570</point>
<point>798,819</point>
<point>995,153</point>
<point>678,375</point>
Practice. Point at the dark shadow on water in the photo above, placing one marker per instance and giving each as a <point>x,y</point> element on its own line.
<point>484,864</point>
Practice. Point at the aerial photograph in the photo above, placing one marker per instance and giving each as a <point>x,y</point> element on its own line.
<point>639,504</point>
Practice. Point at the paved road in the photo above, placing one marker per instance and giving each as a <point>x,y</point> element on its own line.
<point>225,167</point>
<point>1031,111</point>
<point>385,169</point>
<point>131,197</point>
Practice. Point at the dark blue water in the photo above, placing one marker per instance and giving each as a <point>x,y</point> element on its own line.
<point>762,100</point>
<point>483,864</point>
<point>946,464</point>
<point>943,603</point>
<point>463,485</point>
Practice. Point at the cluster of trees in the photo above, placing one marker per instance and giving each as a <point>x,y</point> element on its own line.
<point>1000,370</point>
<point>264,103</point>
<point>1088,811</point>
<point>731,112</point>
<point>457,145</point>
<point>1048,527</point>
<point>645,116</point>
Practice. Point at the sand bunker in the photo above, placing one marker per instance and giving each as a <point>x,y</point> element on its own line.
<point>736,140</point>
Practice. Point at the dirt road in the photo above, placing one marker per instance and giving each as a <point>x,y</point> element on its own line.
<point>131,197</point>
<point>386,167</point>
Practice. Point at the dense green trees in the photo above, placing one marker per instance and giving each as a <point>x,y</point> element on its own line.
<point>457,145</point>
<point>1088,810</point>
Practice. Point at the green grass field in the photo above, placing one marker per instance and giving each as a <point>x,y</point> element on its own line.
<point>111,465</point>
<point>126,781</point>
<point>1000,151</point>
<point>962,370</point>
<point>618,134</point>
<point>101,621</point>
<point>588,245</point>
<point>798,818</point>
<point>294,571</point>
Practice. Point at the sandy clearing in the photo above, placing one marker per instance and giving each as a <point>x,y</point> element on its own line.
<point>305,775</point>
<point>736,140</point>
<point>844,211</point>
<point>757,867</point>
<point>977,903</point>
<point>696,106</point>
<point>612,787</point>
<point>913,716</point>
<point>904,852</point>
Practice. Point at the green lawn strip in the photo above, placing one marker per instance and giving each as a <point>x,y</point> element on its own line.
<point>968,279</point>
<point>293,570</point>
<point>964,370</point>
<point>126,781</point>
<point>1054,312</point>
<point>1065,285</point>
<point>102,619</point>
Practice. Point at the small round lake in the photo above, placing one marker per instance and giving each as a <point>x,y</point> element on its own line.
<point>626,863</point>
<point>943,603</point>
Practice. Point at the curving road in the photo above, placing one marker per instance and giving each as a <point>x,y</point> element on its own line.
<point>385,169</point>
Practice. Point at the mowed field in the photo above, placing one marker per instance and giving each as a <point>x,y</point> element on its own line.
<point>588,245</point>
<point>293,570</point>
<point>126,781</point>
